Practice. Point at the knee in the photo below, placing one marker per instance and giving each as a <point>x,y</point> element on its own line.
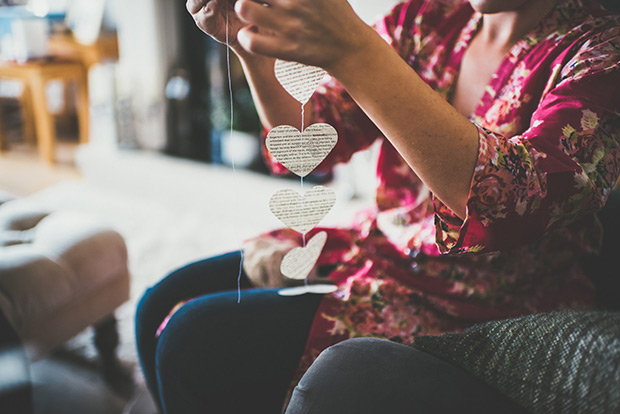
<point>345,358</point>
<point>156,302</point>
<point>342,374</point>
<point>174,352</point>
<point>146,311</point>
<point>178,334</point>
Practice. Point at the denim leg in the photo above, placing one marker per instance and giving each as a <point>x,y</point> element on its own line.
<point>223,357</point>
<point>369,376</point>
<point>203,277</point>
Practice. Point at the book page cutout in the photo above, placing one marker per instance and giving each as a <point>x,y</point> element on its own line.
<point>302,290</point>
<point>302,213</point>
<point>298,263</point>
<point>299,80</point>
<point>321,289</point>
<point>317,141</point>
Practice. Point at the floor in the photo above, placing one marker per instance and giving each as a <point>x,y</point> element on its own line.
<point>62,384</point>
<point>68,383</point>
<point>22,172</point>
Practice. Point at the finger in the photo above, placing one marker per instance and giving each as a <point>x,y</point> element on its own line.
<point>251,12</point>
<point>194,6</point>
<point>262,44</point>
<point>205,18</point>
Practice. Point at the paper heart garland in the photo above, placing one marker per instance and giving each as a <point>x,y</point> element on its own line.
<point>301,152</point>
<point>302,213</point>
<point>299,80</point>
<point>298,263</point>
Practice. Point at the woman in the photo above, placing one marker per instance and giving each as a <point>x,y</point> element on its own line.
<point>500,140</point>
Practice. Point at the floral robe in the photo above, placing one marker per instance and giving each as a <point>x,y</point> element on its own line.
<point>548,157</point>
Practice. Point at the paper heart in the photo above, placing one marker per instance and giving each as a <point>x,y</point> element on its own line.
<point>299,80</point>
<point>302,290</point>
<point>301,152</point>
<point>298,263</point>
<point>321,289</point>
<point>302,213</point>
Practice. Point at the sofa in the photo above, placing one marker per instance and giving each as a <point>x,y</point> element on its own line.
<point>60,272</point>
<point>561,362</point>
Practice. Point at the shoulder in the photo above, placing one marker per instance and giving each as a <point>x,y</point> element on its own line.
<point>422,18</point>
<point>423,12</point>
<point>595,47</point>
<point>580,38</point>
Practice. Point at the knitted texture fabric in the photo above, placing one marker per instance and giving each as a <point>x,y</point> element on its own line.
<point>563,362</point>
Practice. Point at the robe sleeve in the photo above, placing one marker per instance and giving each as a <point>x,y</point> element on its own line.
<point>559,170</point>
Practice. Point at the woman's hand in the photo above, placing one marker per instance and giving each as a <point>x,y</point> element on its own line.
<point>210,17</point>
<point>262,260</point>
<point>314,32</point>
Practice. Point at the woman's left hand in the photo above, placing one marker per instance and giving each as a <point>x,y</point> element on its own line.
<point>313,32</point>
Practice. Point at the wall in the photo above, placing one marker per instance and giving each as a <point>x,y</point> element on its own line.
<point>147,34</point>
<point>148,31</point>
<point>370,10</point>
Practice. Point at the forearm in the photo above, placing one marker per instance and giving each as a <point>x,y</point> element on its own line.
<point>437,142</point>
<point>273,104</point>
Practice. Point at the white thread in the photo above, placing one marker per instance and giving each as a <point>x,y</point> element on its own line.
<point>303,110</point>
<point>301,146</point>
<point>232,157</point>
<point>303,236</point>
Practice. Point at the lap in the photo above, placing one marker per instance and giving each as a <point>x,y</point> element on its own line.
<point>219,349</point>
<point>367,375</point>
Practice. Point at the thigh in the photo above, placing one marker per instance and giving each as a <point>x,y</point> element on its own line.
<point>200,278</point>
<point>211,275</point>
<point>217,355</point>
<point>369,376</point>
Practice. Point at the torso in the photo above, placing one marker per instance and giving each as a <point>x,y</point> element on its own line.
<point>478,66</point>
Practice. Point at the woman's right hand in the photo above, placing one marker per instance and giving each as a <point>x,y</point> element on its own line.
<point>210,17</point>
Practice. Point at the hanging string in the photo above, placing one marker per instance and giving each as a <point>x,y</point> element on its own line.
<point>301,146</point>
<point>303,111</point>
<point>232,158</point>
<point>303,235</point>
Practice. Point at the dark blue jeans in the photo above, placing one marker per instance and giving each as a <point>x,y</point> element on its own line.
<point>370,376</point>
<point>217,355</point>
<point>223,357</point>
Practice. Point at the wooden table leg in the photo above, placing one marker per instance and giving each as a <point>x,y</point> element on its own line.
<point>83,108</point>
<point>2,138</point>
<point>28,116</point>
<point>44,122</point>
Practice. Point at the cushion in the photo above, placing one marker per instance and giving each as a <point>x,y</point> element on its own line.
<point>59,272</point>
<point>563,362</point>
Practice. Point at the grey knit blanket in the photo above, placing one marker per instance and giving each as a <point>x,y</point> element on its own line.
<point>564,362</point>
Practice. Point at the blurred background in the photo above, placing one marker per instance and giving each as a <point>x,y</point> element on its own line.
<point>154,81</point>
<point>115,120</point>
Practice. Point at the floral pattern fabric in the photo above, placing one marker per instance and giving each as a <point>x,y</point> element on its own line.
<point>549,154</point>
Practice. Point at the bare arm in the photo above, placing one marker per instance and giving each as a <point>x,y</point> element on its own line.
<point>437,142</point>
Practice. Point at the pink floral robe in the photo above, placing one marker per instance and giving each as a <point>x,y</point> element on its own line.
<point>548,157</point>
